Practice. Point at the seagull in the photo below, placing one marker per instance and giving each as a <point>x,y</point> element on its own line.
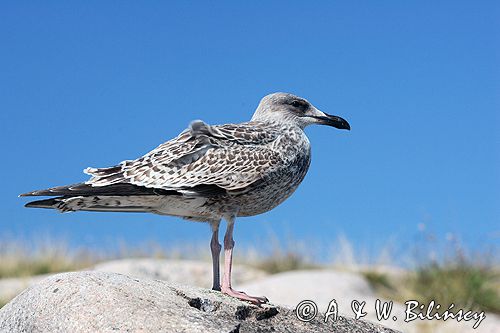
<point>208,173</point>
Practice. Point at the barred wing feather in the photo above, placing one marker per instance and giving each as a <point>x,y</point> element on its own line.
<point>232,157</point>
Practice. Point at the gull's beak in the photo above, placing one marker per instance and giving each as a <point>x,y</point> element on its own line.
<point>329,120</point>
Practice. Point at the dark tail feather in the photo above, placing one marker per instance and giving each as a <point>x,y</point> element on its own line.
<point>48,203</point>
<point>92,204</point>
<point>82,189</point>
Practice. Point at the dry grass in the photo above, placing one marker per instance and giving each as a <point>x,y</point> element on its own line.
<point>466,284</point>
<point>21,258</point>
<point>380,282</point>
<point>18,259</point>
<point>466,279</point>
<point>282,262</point>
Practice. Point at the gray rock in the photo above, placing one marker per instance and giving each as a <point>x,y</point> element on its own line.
<point>109,302</point>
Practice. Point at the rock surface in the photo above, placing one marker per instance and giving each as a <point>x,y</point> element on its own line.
<point>109,302</point>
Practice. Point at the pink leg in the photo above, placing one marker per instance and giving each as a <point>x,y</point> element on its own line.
<point>215,247</point>
<point>228,263</point>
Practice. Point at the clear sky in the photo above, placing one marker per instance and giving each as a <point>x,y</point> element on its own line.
<point>92,83</point>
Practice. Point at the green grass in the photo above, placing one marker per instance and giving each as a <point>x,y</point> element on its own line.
<point>465,284</point>
<point>378,281</point>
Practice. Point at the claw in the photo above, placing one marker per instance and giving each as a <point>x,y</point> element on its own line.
<point>243,296</point>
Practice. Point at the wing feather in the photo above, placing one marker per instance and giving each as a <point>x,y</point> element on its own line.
<point>231,157</point>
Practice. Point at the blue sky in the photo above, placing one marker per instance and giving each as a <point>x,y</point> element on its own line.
<point>93,83</point>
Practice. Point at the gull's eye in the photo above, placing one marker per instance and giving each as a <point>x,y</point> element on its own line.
<point>296,104</point>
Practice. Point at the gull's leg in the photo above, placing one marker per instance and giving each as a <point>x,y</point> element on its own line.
<point>228,263</point>
<point>215,247</point>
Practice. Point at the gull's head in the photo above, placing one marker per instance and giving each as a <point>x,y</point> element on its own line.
<point>290,109</point>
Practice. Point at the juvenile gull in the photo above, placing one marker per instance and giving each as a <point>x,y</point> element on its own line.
<point>208,173</point>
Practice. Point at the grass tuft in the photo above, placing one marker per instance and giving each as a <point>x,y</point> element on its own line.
<point>464,284</point>
<point>3,302</point>
<point>282,262</point>
<point>20,260</point>
<point>378,280</point>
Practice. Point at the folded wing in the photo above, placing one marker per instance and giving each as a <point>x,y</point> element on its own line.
<point>200,159</point>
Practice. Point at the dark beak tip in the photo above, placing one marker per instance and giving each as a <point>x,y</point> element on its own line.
<point>341,124</point>
<point>335,121</point>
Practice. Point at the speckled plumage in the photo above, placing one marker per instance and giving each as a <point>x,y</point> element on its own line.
<point>208,173</point>
<point>252,167</point>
